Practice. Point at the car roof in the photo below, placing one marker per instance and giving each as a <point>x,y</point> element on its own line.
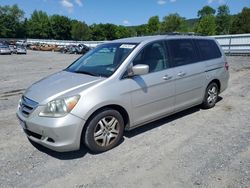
<point>158,37</point>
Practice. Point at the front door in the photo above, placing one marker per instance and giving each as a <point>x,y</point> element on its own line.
<point>153,94</point>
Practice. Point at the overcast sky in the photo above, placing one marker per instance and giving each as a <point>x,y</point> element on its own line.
<point>122,12</point>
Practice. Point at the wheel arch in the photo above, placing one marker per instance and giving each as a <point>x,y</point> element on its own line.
<point>116,107</point>
<point>217,82</point>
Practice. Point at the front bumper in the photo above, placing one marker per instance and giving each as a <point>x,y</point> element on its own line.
<point>59,134</point>
<point>5,52</point>
<point>21,52</point>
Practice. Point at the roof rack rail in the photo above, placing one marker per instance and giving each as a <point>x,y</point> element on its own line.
<point>181,33</point>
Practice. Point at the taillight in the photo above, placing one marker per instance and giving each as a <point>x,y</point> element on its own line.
<point>226,65</point>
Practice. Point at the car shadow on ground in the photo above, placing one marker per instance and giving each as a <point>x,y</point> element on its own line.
<point>61,155</point>
<point>129,134</point>
<point>160,122</point>
<point>67,155</point>
<point>163,121</point>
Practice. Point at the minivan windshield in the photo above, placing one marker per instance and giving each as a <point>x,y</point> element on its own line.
<point>103,60</point>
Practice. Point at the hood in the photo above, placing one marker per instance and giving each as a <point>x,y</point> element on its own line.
<point>59,84</point>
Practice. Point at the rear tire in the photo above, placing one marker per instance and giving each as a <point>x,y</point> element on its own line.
<point>104,131</point>
<point>211,96</point>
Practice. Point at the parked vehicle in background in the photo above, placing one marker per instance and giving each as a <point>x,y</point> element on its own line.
<point>83,48</point>
<point>67,49</point>
<point>119,86</point>
<point>46,47</point>
<point>75,49</point>
<point>63,49</point>
<point>12,49</point>
<point>21,49</point>
<point>4,49</point>
<point>21,43</point>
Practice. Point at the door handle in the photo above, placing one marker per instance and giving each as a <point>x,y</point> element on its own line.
<point>167,77</point>
<point>181,74</point>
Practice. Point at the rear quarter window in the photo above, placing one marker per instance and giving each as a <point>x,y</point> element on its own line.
<point>208,49</point>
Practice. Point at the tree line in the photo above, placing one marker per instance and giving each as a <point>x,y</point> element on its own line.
<point>13,24</point>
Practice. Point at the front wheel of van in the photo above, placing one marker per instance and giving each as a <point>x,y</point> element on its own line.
<point>211,96</point>
<point>104,131</point>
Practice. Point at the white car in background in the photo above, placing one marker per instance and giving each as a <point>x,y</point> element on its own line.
<point>21,50</point>
<point>4,49</point>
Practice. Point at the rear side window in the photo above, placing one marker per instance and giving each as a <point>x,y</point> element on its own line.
<point>182,51</point>
<point>208,49</point>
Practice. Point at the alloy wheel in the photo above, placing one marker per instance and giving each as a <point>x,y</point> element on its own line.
<point>212,95</point>
<point>106,131</point>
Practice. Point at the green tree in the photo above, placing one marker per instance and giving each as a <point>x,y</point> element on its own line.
<point>22,29</point>
<point>206,25</point>
<point>141,30</point>
<point>80,30</point>
<point>103,31</point>
<point>223,20</point>
<point>241,22</point>
<point>11,18</point>
<point>122,32</point>
<point>39,25</point>
<point>132,31</point>
<point>97,32</point>
<point>110,31</point>
<point>173,23</point>
<point>154,25</point>
<point>60,27</point>
<point>206,11</point>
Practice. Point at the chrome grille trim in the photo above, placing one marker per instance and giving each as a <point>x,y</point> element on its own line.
<point>27,106</point>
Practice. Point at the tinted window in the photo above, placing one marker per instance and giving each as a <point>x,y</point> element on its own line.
<point>182,51</point>
<point>154,56</point>
<point>208,49</point>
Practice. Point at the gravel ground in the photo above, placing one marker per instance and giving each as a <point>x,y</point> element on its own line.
<point>194,148</point>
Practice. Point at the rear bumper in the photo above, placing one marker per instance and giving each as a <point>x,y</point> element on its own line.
<point>59,134</point>
<point>224,82</point>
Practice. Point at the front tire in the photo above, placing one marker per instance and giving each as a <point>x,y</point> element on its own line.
<point>104,131</point>
<point>211,96</point>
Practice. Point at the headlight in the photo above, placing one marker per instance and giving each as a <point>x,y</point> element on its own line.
<point>60,107</point>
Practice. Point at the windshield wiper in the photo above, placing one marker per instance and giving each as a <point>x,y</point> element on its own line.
<point>86,72</point>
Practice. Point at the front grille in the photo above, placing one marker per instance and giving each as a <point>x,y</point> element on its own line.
<point>27,106</point>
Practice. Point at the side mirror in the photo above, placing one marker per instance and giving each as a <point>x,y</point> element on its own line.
<point>139,69</point>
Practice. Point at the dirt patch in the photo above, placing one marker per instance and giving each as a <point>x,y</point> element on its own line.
<point>228,108</point>
<point>243,69</point>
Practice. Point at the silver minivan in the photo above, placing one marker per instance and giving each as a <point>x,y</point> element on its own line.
<point>119,86</point>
